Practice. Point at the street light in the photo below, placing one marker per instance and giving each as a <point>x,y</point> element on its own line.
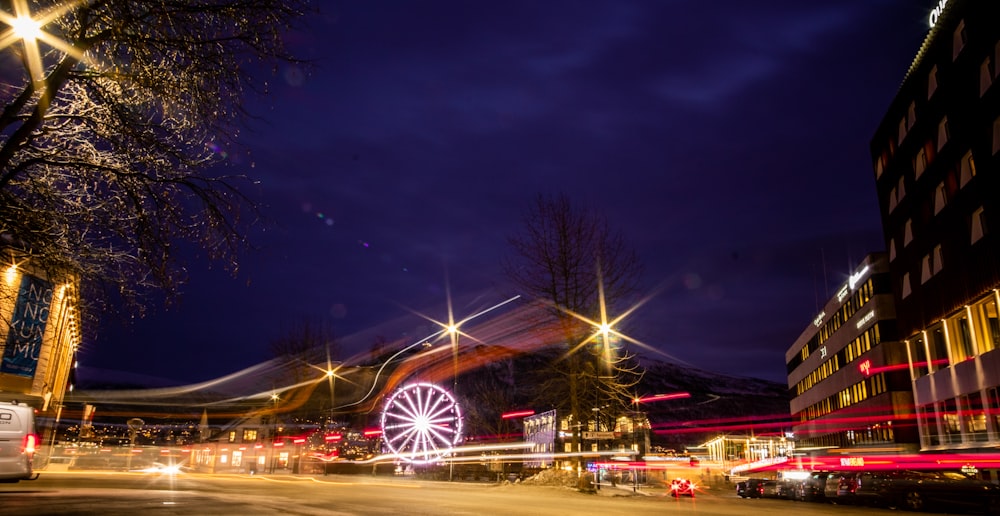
<point>28,29</point>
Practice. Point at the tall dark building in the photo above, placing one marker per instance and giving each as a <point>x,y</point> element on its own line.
<point>936,158</point>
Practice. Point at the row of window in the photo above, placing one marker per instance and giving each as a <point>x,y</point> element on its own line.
<point>851,306</point>
<point>972,331</point>
<point>880,433</point>
<point>972,418</point>
<point>866,388</point>
<point>956,178</point>
<point>859,346</point>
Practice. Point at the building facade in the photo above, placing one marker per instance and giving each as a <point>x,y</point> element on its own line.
<point>39,335</point>
<point>847,370</point>
<point>937,172</point>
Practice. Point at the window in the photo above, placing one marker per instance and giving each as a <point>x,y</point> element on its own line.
<point>978,224</point>
<point>893,199</point>
<point>232,436</point>
<point>938,347</point>
<point>892,249</point>
<point>930,265</point>
<point>974,417</point>
<point>985,76</point>
<point>949,422</point>
<point>929,434</point>
<point>932,81</point>
<point>958,39</point>
<point>918,355</point>
<point>940,198</point>
<point>943,133</point>
<point>925,269</point>
<point>985,324</point>
<point>996,59</point>
<point>967,169</point>
<point>920,162</point>
<point>960,338</point>
<point>906,285</point>
<point>902,130</point>
<point>901,189</point>
<point>908,232</point>
<point>996,135</point>
<point>911,115</point>
<point>249,435</point>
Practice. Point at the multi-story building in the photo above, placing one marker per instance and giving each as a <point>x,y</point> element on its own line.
<point>846,371</point>
<point>937,173</point>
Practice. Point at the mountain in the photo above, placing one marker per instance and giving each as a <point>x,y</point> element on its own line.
<point>717,404</point>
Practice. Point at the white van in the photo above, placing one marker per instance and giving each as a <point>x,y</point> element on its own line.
<point>18,442</point>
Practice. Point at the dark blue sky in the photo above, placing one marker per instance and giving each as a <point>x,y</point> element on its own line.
<point>728,141</point>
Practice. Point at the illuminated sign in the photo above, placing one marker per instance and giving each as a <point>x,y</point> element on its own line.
<point>936,13</point>
<point>852,461</point>
<point>819,319</point>
<point>866,319</point>
<point>822,352</point>
<point>842,293</point>
<point>856,277</point>
<point>866,367</point>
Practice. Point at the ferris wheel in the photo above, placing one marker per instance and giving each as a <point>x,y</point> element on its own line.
<point>421,423</point>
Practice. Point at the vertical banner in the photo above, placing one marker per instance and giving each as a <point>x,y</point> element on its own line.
<point>27,326</point>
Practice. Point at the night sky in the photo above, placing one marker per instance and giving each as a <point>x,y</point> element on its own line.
<point>727,140</point>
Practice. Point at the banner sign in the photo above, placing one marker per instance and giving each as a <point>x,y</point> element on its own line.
<point>27,326</point>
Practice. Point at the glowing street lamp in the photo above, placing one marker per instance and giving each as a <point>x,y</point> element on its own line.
<point>28,29</point>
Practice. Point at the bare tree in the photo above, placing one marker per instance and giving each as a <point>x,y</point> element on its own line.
<point>569,258</point>
<point>115,118</point>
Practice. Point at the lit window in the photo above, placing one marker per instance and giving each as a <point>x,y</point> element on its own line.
<point>978,224</point>
<point>936,263</point>
<point>942,137</point>
<point>879,167</point>
<point>967,169</point>
<point>892,249</point>
<point>940,198</point>
<point>932,81</point>
<point>958,39</point>
<point>906,285</point>
<point>902,130</point>
<point>925,269</point>
<point>908,233</point>
<point>892,200</point>
<point>901,189</point>
<point>985,76</point>
<point>911,115</point>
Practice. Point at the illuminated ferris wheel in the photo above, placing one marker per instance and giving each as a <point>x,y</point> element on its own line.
<point>421,423</point>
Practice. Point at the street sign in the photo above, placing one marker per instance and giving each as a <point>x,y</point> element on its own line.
<point>598,435</point>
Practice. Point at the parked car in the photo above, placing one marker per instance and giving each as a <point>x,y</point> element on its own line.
<point>847,487</point>
<point>787,488</point>
<point>922,490</point>
<point>832,486</point>
<point>771,489</point>
<point>751,488</point>
<point>813,487</point>
<point>681,486</point>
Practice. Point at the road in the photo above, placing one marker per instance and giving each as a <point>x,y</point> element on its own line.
<point>107,493</point>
